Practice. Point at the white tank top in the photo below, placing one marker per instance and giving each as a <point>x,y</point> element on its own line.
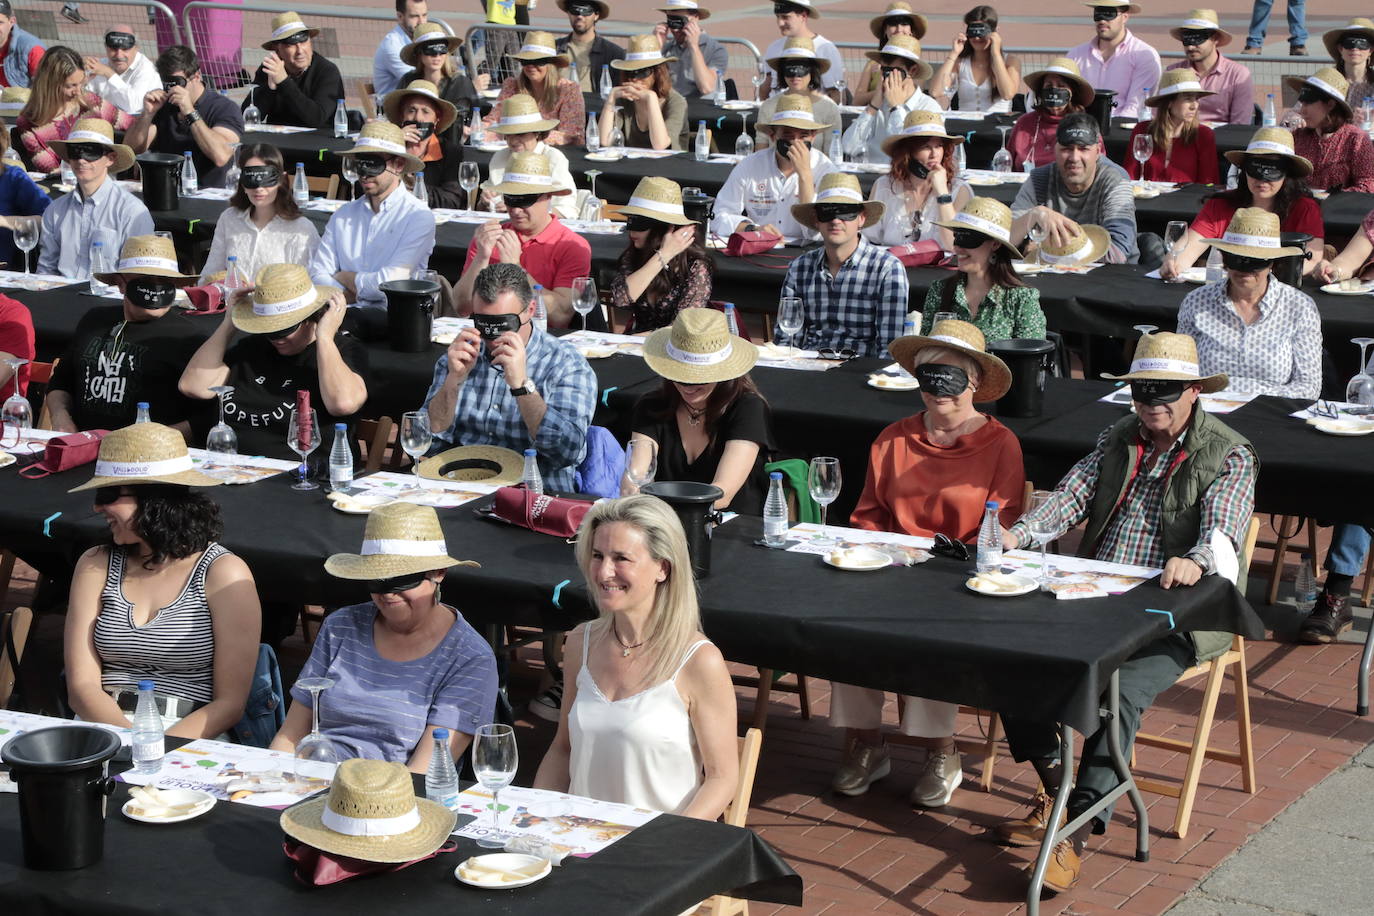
<point>639,750</point>
<point>976,97</point>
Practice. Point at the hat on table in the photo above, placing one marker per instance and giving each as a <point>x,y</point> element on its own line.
<point>1356,26</point>
<point>145,453</point>
<point>1177,82</point>
<point>520,115</point>
<point>798,48</point>
<point>919,124</point>
<point>904,46</point>
<point>400,539</point>
<point>1169,357</point>
<point>1254,233</point>
<point>148,256</point>
<point>642,52</point>
<point>1329,82</point>
<point>477,463</point>
<point>540,46</point>
<point>898,9</point>
<point>1123,5</point>
<point>427,33</point>
<point>684,6</point>
<point>660,199</point>
<point>529,173</point>
<point>603,11</point>
<point>1271,141</point>
<point>964,338</point>
<point>990,217</point>
<point>382,138</point>
<point>698,348</point>
<point>838,188</point>
<point>284,25</point>
<point>98,131</point>
<point>1067,70</point>
<point>1197,21</point>
<point>282,295</point>
<point>794,110</point>
<point>395,99</point>
<point>1089,245</point>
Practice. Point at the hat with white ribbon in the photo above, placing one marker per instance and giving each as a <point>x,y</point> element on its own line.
<point>838,188</point>
<point>798,49</point>
<point>698,348</point>
<point>1254,233</point>
<point>1272,141</point>
<point>642,52</point>
<point>684,6</point>
<point>98,131</point>
<point>395,100</point>
<point>919,125</point>
<point>145,453</point>
<point>284,25</point>
<point>148,256</point>
<point>1330,82</point>
<point>1088,246</point>
<point>965,339</point>
<point>1202,20</point>
<point>990,217</point>
<point>282,295</point>
<point>1124,5</point>
<point>1356,26</point>
<point>1177,82</point>
<point>520,115</point>
<point>428,33</point>
<point>1067,70</point>
<point>794,110</point>
<point>658,199</point>
<point>898,9</point>
<point>399,539</point>
<point>382,138</point>
<point>1170,358</point>
<point>540,46</point>
<point>905,47</point>
<point>529,173</point>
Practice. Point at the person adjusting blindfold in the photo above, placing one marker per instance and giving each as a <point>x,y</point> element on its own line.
<point>977,30</point>
<point>423,128</point>
<point>493,326</point>
<point>941,381</point>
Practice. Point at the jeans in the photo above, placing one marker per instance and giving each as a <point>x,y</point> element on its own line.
<point>1259,22</point>
<point>1349,545</point>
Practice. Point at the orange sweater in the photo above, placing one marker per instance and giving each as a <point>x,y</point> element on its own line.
<point>916,487</point>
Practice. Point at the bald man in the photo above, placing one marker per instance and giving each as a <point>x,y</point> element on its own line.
<point>125,76</point>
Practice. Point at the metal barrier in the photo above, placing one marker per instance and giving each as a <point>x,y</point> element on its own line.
<point>82,25</point>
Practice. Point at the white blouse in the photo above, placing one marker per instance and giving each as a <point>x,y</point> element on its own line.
<point>895,226</point>
<point>565,205</point>
<point>282,241</point>
<point>978,96</point>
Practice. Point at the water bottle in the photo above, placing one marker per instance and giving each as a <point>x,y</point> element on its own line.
<point>836,147</point>
<point>718,97</point>
<point>1271,118</point>
<point>1232,178</point>
<point>990,539</point>
<point>340,459</point>
<point>701,149</point>
<point>541,312</point>
<point>300,188</point>
<point>441,779</point>
<point>421,192</point>
<point>775,512</point>
<point>142,415</point>
<point>1305,586</point>
<point>149,742</point>
<point>732,319</point>
<point>574,75</point>
<point>190,181</point>
<point>593,134</point>
<point>1369,114</point>
<point>477,132</point>
<point>233,275</point>
<point>1215,272</point>
<point>605,82</point>
<point>98,266</point>
<point>531,478</point>
<point>960,160</point>
<point>909,325</point>
<point>340,120</point>
<point>68,176</point>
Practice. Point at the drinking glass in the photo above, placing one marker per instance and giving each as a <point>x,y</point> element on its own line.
<point>641,462</point>
<point>16,413</point>
<point>1361,387</point>
<point>416,437</point>
<point>745,144</point>
<point>617,139</point>
<point>1037,233</point>
<point>758,79</point>
<point>591,209</point>
<point>315,747</point>
<point>232,172</point>
<point>222,438</point>
<point>350,175</point>
<point>1142,148</point>
<point>1041,532</point>
<point>842,89</point>
<point>469,177</point>
<point>823,479</point>
<point>790,316</point>
<point>495,759</point>
<point>252,118</point>
<point>591,179</point>
<point>1145,330</point>
<point>1173,240</point>
<point>584,297</point>
<point>944,316</point>
<point>26,232</point>
<point>1001,160</point>
<point>303,448</point>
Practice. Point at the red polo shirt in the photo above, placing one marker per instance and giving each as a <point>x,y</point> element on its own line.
<point>554,257</point>
<point>16,339</point>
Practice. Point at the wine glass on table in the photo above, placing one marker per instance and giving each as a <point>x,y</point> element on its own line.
<point>303,447</point>
<point>26,232</point>
<point>591,180</point>
<point>231,174</point>
<point>495,759</point>
<point>315,747</point>
<point>1042,531</point>
<point>641,462</point>
<point>790,316</point>
<point>1142,148</point>
<point>252,117</point>
<point>1037,233</point>
<point>1173,241</point>
<point>1361,387</point>
<point>350,175</point>
<point>469,177</point>
<point>758,79</point>
<point>16,415</point>
<point>222,439</point>
<point>584,297</point>
<point>1001,160</point>
<point>416,436</point>
<point>823,480</point>
<point>744,146</point>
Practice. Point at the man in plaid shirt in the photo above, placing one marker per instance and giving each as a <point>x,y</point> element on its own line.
<point>1153,491</point>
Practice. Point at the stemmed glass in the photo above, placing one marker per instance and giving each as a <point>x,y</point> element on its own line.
<point>252,118</point>
<point>1361,387</point>
<point>1042,532</point>
<point>584,297</point>
<point>231,174</point>
<point>842,89</point>
<point>591,179</point>
<point>16,412</point>
<point>416,437</point>
<point>222,438</point>
<point>495,759</point>
<point>1142,148</point>
<point>641,463</point>
<point>1037,233</point>
<point>745,144</point>
<point>315,747</point>
<point>303,448</point>
<point>823,479</point>
<point>617,139</point>
<point>469,177</point>
<point>1173,239</point>
<point>758,79</point>
<point>1145,330</point>
<point>790,316</point>
<point>1001,160</point>
<point>26,232</point>
<point>350,175</point>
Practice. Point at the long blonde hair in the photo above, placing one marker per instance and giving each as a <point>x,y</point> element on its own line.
<point>45,101</point>
<point>676,616</point>
<point>548,97</point>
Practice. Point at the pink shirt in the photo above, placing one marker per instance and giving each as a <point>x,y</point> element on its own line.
<point>1234,102</point>
<point>1131,70</point>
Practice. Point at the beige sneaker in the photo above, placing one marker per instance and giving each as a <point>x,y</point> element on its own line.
<point>863,766</point>
<point>939,778</point>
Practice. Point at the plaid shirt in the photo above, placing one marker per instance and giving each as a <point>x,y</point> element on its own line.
<point>1134,534</point>
<point>862,306</point>
<point>487,413</point>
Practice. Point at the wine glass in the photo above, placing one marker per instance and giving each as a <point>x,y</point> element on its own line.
<point>350,175</point>
<point>469,177</point>
<point>1145,330</point>
<point>303,448</point>
<point>232,171</point>
<point>823,479</point>
<point>252,118</point>
<point>16,413</point>
<point>416,437</point>
<point>842,88</point>
<point>584,297</point>
<point>591,180</point>
<point>641,462</point>
<point>26,232</point>
<point>1042,531</point>
<point>495,759</point>
<point>1361,387</point>
<point>1037,233</point>
<point>1142,148</point>
<point>745,144</point>
<point>222,438</point>
<point>944,316</point>
<point>1001,160</point>
<point>790,316</point>
<point>617,139</point>
<point>1173,241</point>
<point>758,79</point>
<point>315,747</point>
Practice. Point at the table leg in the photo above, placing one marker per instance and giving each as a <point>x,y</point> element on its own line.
<point>1362,676</point>
<point>1052,837</point>
<point>1123,770</point>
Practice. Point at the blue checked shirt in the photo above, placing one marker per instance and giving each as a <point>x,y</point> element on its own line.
<point>861,307</point>
<point>487,413</point>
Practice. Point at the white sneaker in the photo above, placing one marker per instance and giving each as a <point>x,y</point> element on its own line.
<point>939,778</point>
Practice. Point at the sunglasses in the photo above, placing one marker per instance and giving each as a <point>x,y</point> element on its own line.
<point>297,39</point>
<point>259,176</point>
<point>284,332</point>
<point>1355,43</point>
<point>1309,95</point>
<point>434,49</point>
<point>638,223</point>
<point>520,201</point>
<point>369,166</point>
<point>968,238</point>
<point>1260,170</point>
<point>792,71</point>
<point>395,584</point>
<point>87,152</point>
<point>677,23</point>
<point>120,41</point>
<point>1191,38</point>
<point>845,212</point>
<point>1243,263</point>
<point>946,546</point>
<point>173,82</point>
<point>1105,13</point>
<point>838,353</point>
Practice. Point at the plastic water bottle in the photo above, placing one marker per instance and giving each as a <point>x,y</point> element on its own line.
<point>541,312</point>
<point>99,265</point>
<point>142,416</point>
<point>420,191</point>
<point>441,779</point>
<point>836,151</point>
<point>233,274</point>
<point>1215,272</point>
<point>1305,586</point>
<point>300,188</point>
<point>1271,118</point>
<point>1232,178</point>
<point>732,319</point>
<point>1369,113</point>
<point>605,82</point>
<point>990,539</point>
<point>149,741</point>
<point>68,176</point>
<point>718,97</point>
<point>775,512</point>
<point>340,459</point>
<point>574,75</point>
<point>593,134</point>
<point>909,325</point>
<point>531,478</point>
<point>960,159</point>
<point>340,119</point>
<point>477,132</point>
<point>190,181</point>
<point>701,149</point>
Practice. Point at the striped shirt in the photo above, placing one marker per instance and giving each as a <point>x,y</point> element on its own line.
<point>175,649</point>
<point>378,708</point>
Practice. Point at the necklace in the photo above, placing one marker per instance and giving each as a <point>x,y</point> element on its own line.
<point>694,416</point>
<point>624,649</point>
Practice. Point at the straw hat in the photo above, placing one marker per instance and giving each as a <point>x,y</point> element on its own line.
<point>371,813</point>
<point>96,130</point>
<point>529,173</point>
<point>148,256</point>
<point>642,52</point>
<point>540,46</point>
<point>1125,6</point>
<point>1065,68</point>
<point>919,124</point>
<point>284,25</point>
<point>1327,80</point>
<point>1271,141</point>
<point>684,6</point>
<point>798,48</point>
<point>898,9</point>
<point>145,453</point>
<point>1178,82</point>
<point>794,110</point>
<point>282,296</point>
<point>807,5</point>
<point>990,217</point>
<point>698,348</point>
<point>395,99</point>
<point>1169,357</point>
<point>964,338</point>
<point>1356,26</point>
<point>520,115</point>
<point>1254,233</point>
<point>428,33</point>
<point>15,94</point>
<point>400,539</point>
<point>1197,20</point>
<point>660,199</point>
<point>906,47</point>
<point>603,11</point>
<point>1088,246</point>
<point>477,463</point>
<point>382,138</point>
<point>838,188</point>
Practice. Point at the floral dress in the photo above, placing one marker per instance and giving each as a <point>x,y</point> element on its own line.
<point>649,316</point>
<point>569,110</point>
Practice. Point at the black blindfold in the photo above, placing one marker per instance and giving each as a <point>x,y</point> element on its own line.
<point>940,380</point>
<point>493,326</point>
<point>150,293</point>
<point>259,176</point>
<point>1153,392</point>
<point>1055,96</point>
<point>121,41</point>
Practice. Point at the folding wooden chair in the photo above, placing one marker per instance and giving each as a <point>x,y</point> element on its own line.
<point>737,812</point>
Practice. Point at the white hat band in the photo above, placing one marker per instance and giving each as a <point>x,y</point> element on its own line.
<point>539,49</point>
<point>843,192</point>
<point>395,547</point>
<point>1182,86</point>
<point>658,206</point>
<point>521,118</point>
<point>794,114</point>
<point>1069,256</point>
<point>267,309</point>
<point>894,50</point>
<point>288,29</point>
<point>105,468</point>
<point>1326,87</point>
<point>945,338</point>
<point>644,55</point>
<point>798,52</point>
<point>1001,233</point>
<point>925,128</point>
<point>1063,70</point>
<point>698,359</point>
<point>1251,241</point>
<point>89,136</point>
<point>370,826</point>
<point>145,261</point>
<point>679,5</point>
<point>1269,146</point>
<point>1162,364</point>
<point>1200,24</point>
<point>370,143</point>
<point>526,178</point>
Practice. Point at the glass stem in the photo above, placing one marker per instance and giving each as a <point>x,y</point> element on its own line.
<point>1044,564</point>
<point>314,712</point>
<point>495,810</point>
<point>824,506</point>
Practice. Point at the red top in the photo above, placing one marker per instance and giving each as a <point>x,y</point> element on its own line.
<point>16,339</point>
<point>1342,160</point>
<point>554,257</point>
<point>1303,216</point>
<point>1034,131</point>
<point>1196,161</point>
<point>35,55</point>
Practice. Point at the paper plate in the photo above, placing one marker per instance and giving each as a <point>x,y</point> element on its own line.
<point>6,459</point>
<point>1027,268</point>
<point>857,559</point>
<point>357,505</point>
<point>778,351</point>
<point>1016,585</point>
<point>1140,193</point>
<point>204,801</point>
<point>893,383</point>
<point>1342,427</point>
<point>1336,289</point>
<point>598,352</point>
<point>602,156</point>
<point>738,105</point>
<point>505,860</point>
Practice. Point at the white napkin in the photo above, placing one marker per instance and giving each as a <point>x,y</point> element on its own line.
<point>1224,560</point>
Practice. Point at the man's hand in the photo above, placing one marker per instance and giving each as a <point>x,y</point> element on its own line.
<point>508,247</point>
<point>1180,571</point>
<point>508,353</point>
<point>691,33</point>
<point>897,88</point>
<point>62,422</point>
<point>274,68</point>
<point>98,67</point>
<point>153,102</point>
<point>661,33</point>
<point>462,354</point>
<point>1059,229</point>
<point>329,322</point>
<point>179,97</point>
<point>799,154</point>
<point>484,240</point>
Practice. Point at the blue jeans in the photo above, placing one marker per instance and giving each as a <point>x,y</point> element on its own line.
<point>1259,22</point>
<point>1349,545</point>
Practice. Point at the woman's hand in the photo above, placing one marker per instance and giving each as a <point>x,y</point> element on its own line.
<point>677,241</point>
<point>412,137</point>
<point>939,179</point>
<point>481,82</point>
<point>1327,271</point>
<point>960,42</point>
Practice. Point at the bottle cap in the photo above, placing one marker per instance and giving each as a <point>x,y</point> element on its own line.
<point>991,504</point>
<point>142,405</point>
<point>145,685</point>
<point>299,165</point>
<point>441,734</point>
<point>775,475</point>
<point>340,427</point>
<point>530,453</point>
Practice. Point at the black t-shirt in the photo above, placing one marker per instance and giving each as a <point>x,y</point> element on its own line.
<point>174,136</point>
<point>748,419</point>
<point>112,364</point>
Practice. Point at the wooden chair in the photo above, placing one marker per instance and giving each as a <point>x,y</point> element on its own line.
<point>1197,748</point>
<point>329,187</point>
<point>375,437</point>
<point>736,813</point>
<point>1282,544</point>
<point>14,634</point>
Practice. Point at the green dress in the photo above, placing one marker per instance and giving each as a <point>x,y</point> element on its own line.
<point>1006,311</point>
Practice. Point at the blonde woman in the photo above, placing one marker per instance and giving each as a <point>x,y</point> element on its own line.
<point>431,54</point>
<point>558,99</point>
<point>57,102</point>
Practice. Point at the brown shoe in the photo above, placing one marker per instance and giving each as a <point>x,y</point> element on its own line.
<point>1061,873</point>
<point>1329,618</point>
<point>1297,50</point>
<point>1252,49</point>
<point>1029,830</point>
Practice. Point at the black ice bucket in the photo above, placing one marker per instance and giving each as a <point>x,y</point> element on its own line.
<point>1104,100</point>
<point>1028,361</point>
<point>1288,269</point>
<point>693,504</point>
<point>62,777</point>
<point>410,313</point>
<point>161,175</point>
<point>699,208</point>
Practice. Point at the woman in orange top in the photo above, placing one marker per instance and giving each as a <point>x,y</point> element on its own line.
<point>930,474</point>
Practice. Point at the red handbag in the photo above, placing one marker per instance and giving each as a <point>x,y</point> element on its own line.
<point>555,515</point>
<point>743,244</point>
<point>918,254</point>
<point>66,452</point>
<point>207,299</point>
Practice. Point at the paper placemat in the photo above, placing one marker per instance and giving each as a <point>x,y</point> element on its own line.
<point>573,825</point>
<point>239,773</point>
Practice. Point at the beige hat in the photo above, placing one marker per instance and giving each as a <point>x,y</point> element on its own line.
<point>919,125</point>
<point>15,94</point>
<point>603,11</point>
<point>1177,82</point>
<point>684,6</point>
<point>392,102</point>
<point>990,217</point>
<point>1066,69</point>
<point>838,188</point>
<point>96,130</point>
<point>1197,20</point>
<point>145,453</point>
<point>642,52</point>
<point>1169,358</point>
<point>428,33</point>
<point>906,47</point>
<point>529,173</point>
<point>282,295</point>
<point>1271,141</point>
<point>808,5</point>
<point>1254,233</point>
<point>1327,80</point>
<point>794,110</point>
<point>400,539</point>
<point>1356,26</point>
<point>371,813</point>
<point>963,338</point>
<point>1089,245</point>
<point>476,463</point>
<point>798,48</point>
<point>898,9</point>
<point>520,115</point>
<point>284,25</point>
<point>698,348</point>
<point>1126,7</point>
<point>540,46</point>
<point>660,199</point>
<point>148,256</point>
<point>382,138</point>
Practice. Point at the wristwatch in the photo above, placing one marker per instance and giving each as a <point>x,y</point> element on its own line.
<point>192,118</point>
<point>944,199</point>
<point>527,388</point>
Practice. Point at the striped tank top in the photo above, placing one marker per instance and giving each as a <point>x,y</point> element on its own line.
<point>175,650</point>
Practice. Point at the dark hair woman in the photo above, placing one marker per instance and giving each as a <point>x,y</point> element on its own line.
<point>897,19</point>
<point>645,108</point>
<point>1059,90</point>
<point>1340,152</point>
<point>664,269</point>
<point>1352,48</point>
<point>263,223</point>
<point>798,69</point>
<point>976,73</point>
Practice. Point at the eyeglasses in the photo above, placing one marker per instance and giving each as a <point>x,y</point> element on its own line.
<point>87,152</point>
<point>1105,13</point>
<point>968,238</point>
<point>838,353</point>
<point>1309,95</point>
<point>520,201</point>
<point>1191,38</point>
<point>395,584</point>
<point>369,166</point>
<point>104,496</point>
<point>434,49</point>
<point>846,212</point>
<point>638,223</point>
<point>1355,43</point>
<point>1243,263</point>
<point>946,546</point>
<point>1261,170</point>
